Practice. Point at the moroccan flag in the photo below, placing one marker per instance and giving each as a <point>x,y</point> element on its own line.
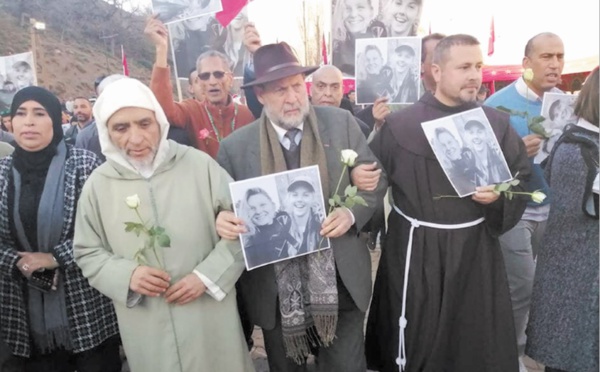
<point>492,39</point>
<point>324,51</point>
<point>124,61</point>
<point>231,8</point>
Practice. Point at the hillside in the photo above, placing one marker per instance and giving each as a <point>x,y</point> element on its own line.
<point>68,61</point>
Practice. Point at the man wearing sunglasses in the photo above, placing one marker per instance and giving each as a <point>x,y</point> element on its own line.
<point>217,115</point>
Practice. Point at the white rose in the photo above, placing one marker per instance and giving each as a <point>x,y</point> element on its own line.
<point>349,157</point>
<point>528,74</point>
<point>133,201</point>
<point>538,196</point>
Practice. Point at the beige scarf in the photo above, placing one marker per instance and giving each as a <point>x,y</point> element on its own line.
<point>307,287</point>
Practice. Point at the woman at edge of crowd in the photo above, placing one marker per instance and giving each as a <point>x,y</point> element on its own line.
<point>69,325</point>
<point>563,323</point>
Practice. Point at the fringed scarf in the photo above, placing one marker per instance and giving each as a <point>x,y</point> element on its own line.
<point>307,287</point>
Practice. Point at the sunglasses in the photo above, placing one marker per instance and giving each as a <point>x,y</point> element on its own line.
<point>206,75</point>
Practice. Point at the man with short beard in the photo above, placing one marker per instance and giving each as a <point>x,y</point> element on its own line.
<point>176,305</point>
<point>82,112</point>
<point>210,120</point>
<point>290,134</point>
<point>441,300</point>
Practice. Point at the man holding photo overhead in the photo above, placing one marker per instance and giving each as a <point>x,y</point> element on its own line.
<point>441,300</point>
<point>315,303</point>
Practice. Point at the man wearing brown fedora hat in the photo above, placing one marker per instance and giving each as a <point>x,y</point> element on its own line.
<point>313,304</point>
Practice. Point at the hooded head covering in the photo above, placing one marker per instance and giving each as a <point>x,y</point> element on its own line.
<point>46,99</point>
<point>123,93</point>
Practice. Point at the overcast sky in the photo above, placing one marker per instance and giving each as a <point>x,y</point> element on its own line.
<point>576,22</point>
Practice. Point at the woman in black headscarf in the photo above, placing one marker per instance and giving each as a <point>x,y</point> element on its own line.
<point>50,317</point>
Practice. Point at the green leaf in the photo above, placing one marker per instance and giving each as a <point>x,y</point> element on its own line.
<point>349,203</point>
<point>502,187</point>
<point>537,119</point>
<point>509,195</point>
<point>512,112</point>
<point>504,109</point>
<point>350,191</point>
<point>129,226</point>
<point>538,128</point>
<point>331,202</point>
<point>360,201</point>
<point>337,200</point>
<point>496,192</point>
<point>515,182</point>
<point>164,240</point>
<point>138,229</point>
<point>159,230</point>
<point>139,257</point>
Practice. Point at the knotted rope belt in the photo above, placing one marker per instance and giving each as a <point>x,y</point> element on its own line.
<point>414,223</point>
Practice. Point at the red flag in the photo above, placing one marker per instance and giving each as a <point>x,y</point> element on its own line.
<point>492,39</point>
<point>124,61</point>
<point>324,50</point>
<point>231,8</point>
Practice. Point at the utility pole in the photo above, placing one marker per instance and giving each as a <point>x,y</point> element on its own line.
<point>112,47</point>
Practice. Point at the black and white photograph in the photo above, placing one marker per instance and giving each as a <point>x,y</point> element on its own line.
<point>467,150</point>
<point>559,110</point>
<point>194,36</point>
<point>359,19</point>
<point>388,67</point>
<point>16,72</point>
<point>170,11</point>
<point>283,213</point>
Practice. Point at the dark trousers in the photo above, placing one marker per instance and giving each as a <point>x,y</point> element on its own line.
<point>548,369</point>
<point>247,325</point>
<point>103,358</point>
<point>345,354</point>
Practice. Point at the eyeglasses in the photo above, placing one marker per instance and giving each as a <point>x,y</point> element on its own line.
<point>206,75</point>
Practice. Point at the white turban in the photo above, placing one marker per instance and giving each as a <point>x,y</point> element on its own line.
<point>123,93</point>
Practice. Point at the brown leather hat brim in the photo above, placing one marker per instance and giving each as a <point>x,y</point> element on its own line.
<point>280,74</point>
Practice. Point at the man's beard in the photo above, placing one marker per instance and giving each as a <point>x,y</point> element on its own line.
<point>288,123</point>
<point>143,166</point>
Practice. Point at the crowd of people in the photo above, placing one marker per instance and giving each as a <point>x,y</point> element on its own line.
<point>463,284</point>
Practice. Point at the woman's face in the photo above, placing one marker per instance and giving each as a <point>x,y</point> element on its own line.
<point>301,199</point>
<point>450,146</point>
<point>402,16</point>
<point>262,210</point>
<point>32,126</point>
<point>357,15</point>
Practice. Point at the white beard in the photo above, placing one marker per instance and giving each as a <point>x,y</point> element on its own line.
<point>143,166</point>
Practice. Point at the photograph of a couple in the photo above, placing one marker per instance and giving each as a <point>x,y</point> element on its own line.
<point>388,67</point>
<point>467,150</point>
<point>170,11</point>
<point>283,213</point>
<point>16,72</point>
<point>353,20</point>
<point>194,36</point>
<point>559,110</point>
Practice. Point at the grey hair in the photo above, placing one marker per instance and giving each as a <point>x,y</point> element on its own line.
<point>213,53</point>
